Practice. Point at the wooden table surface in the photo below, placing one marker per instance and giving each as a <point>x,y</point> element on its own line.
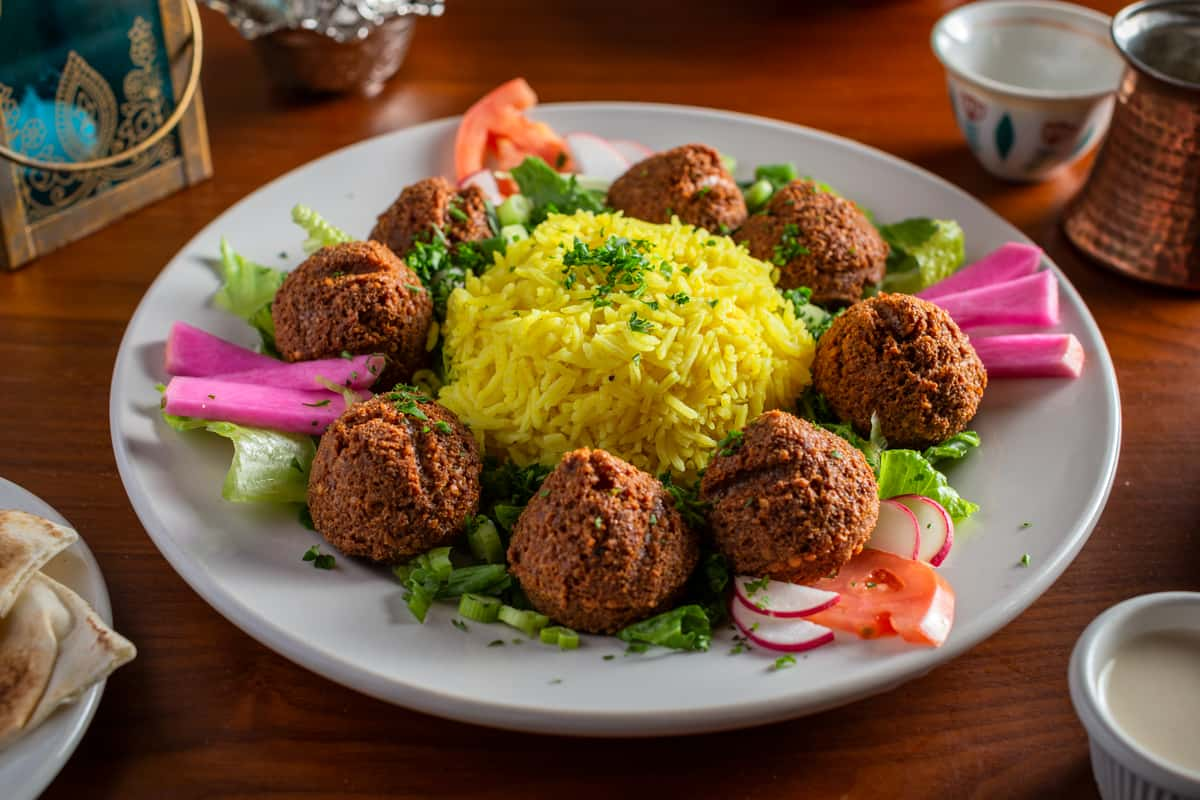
<point>205,711</point>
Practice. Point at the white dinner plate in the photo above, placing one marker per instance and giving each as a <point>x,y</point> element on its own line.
<point>29,764</point>
<point>1048,458</point>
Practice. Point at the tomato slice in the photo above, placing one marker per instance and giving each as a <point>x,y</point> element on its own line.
<point>885,595</point>
<point>499,115</point>
<point>470,142</point>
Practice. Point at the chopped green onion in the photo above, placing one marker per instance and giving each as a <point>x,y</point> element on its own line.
<point>484,541</point>
<point>515,210</point>
<point>565,638</point>
<point>729,163</point>
<point>513,233</point>
<point>529,623</point>
<point>479,608</point>
<point>758,194</point>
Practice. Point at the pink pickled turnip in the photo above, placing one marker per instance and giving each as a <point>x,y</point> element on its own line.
<point>781,599</point>
<point>290,410</point>
<point>359,372</point>
<point>1031,355</point>
<point>191,351</point>
<point>1032,300</point>
<point>1005,263</point>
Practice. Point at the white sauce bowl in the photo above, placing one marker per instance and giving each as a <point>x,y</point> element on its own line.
<point>1031,82</point>
<point>1123,768</point>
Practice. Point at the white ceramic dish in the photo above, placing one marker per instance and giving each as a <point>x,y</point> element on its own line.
<point>1031,82</point>
<point>1123,768</point>
<point>1049,456</point>
<point>29,764</point>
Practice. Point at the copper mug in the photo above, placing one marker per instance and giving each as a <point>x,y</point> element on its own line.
<point>1139,212</point>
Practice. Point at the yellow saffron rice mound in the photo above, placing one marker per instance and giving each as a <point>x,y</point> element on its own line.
<point>537,369</point>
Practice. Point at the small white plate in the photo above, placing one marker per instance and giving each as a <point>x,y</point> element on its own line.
<point>1049,454</point>
<point>28,765</point>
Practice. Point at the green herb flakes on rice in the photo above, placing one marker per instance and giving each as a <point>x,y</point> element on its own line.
<point>650,341</point>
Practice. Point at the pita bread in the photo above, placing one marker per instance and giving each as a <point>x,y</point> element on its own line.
<point>88,651</point>
<point>53,647</point>
<point>27,543</point>
<point>28,651</point>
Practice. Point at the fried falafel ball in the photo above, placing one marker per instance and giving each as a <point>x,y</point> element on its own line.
<point>601,545</point>
<point>460,214</point>
<point>905,360</point>
<point>359,298</point>
<point>688,181</point>
<point>792,501</point>
<point>818,240</point>
<point>393,477</point>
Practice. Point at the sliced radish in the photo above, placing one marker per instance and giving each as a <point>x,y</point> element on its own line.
<point>595,157</point>
<point>631,150</point>
<point>781,599</point>
<point>773,633</point>
<point>896,531</point>
<point>486,182</point>
<point>935,526</point>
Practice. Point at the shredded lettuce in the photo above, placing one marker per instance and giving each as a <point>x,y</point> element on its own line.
<point>268,466</point>
<point>551,192</point>
<point>683,628</point>
<point>923,252</point>
<point>909,472</point>
<point>320,233</point>
<point>247,291</point>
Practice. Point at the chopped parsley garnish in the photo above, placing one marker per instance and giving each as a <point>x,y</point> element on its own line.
<point>687,500</point>
<point>555,681</point>
<point>754,587</point>
<point>652,304</point>
<point>318,404</point>
<point>496,643</point>
<point>441,426</point>
<point>815,318</point>
<point>458,623</point>
<point>789,246</point>
<point>703,191</point>
<point>1026,525</point>
<point>680,298</point>
<point>639,324</point>
<point>712,303</point>
<point>457,213</point>
<point>637,358</point>
<point>783,662</point>
<point>730,443</point>
<point>750,501</point>
<point>620,265</point>
<point>319,560</point>
<point>1025,560</point>
<point>407,399</point>
<point>609,657</point>
<point>836,454</point>
<point>346,354</point>
<point>598,522</point>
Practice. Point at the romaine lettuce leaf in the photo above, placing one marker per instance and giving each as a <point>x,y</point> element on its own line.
<point>320,233</point>
<point>682,628</point>
<point>923,252</point>
<point>909,472</point>
<point>247,292</point>
<point>268,466</point>
<point>954,448</point>
<point>552,193</point>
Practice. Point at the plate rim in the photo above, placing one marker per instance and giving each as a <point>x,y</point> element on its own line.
<point>45,773</point>
<point>542,719</point>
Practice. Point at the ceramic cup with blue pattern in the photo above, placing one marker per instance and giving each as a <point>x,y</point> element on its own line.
<point>1031,82</point>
